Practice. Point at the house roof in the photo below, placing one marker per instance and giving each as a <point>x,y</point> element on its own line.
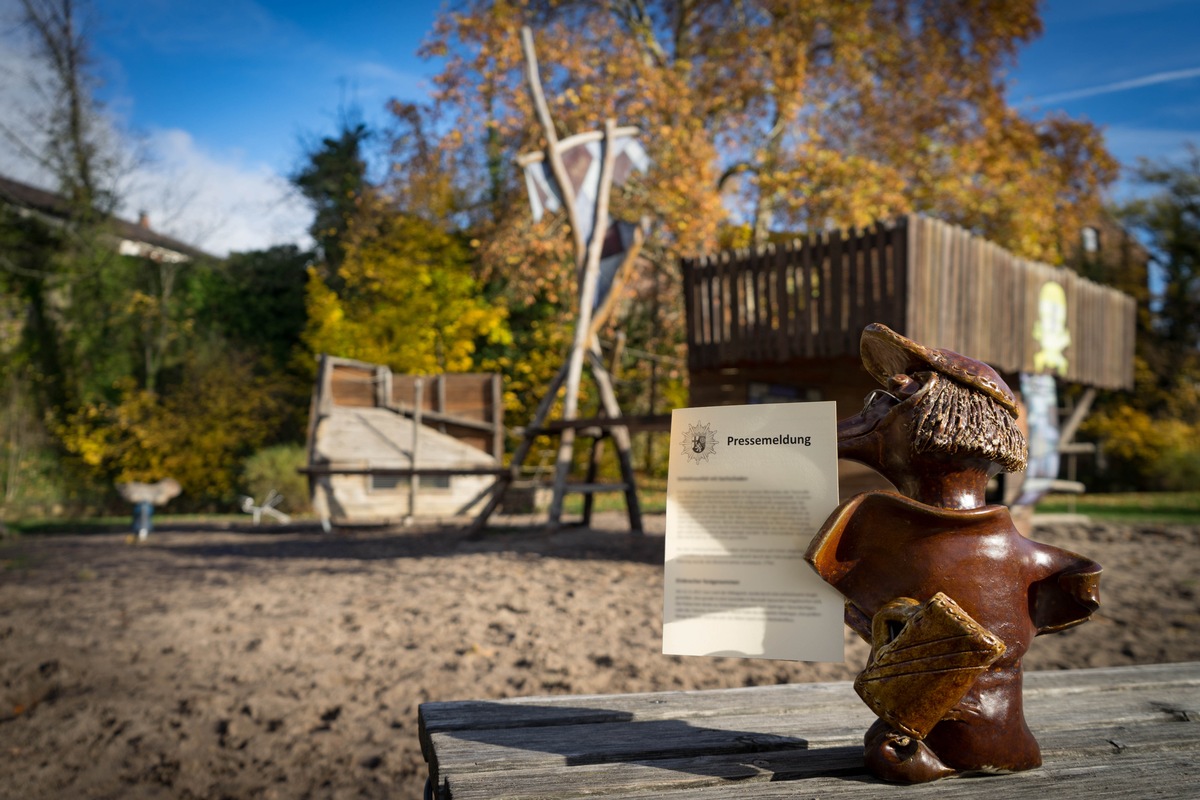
<point>54,205</point>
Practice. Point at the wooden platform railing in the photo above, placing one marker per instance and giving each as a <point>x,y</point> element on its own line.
<point>934,282</point>
<point>806,298</point>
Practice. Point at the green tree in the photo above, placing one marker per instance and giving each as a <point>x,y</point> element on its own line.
<point>256,301</point>
<point>334,179</point>
<point>1151,437</point>
<point>1167,222</point>
<point>141,368</point>
<point>60,269</point>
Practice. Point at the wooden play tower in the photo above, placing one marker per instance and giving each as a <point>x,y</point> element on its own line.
<point>576,174</point>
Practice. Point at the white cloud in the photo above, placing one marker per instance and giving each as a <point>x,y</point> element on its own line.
<point>217,203</point>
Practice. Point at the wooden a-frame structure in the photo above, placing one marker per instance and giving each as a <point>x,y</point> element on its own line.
<point>589,242</point>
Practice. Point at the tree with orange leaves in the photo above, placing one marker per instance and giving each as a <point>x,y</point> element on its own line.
<point>767,116</point>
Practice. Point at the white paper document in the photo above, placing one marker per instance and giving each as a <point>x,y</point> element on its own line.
<point>747,488</point>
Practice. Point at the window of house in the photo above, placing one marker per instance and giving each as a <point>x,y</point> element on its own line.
<point>391,483</point>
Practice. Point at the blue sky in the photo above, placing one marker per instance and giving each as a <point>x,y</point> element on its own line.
<point>1130,66</point>
<point>253,79</point>
<point>226,92</point>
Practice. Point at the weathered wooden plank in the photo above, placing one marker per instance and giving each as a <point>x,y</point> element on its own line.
<point>1097,728</point>
<point>883,265</point>
<point>566,709</point>
<point>1170,776</point>
<point>732,295</point>
<point>352,385</point>
<point>1063,753</point>
<point>832,325</point>
<point>851,299</point>
<point>919,327</point>
<point>667,775</point>
<point>697,304</point>
<point>584,732</point>
<point>563,709</point>
<point>755,319</point>
<point>810,288</point>
<point>901,282</point>
<point>1007,319</point>
<point>691,303</point>
<point>497,418</point>
<point>782,303</point>
<point>709,323</point>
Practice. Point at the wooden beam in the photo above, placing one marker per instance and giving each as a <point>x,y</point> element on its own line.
<point>620,278</point>
<point>640,422</point>
<point>587,298</point>
<point>525,159</point>
<point>333,469</point>
<point>1078,415</point>
<point>557,168</point>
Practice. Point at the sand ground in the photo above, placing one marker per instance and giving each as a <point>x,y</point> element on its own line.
<point>288,663</point>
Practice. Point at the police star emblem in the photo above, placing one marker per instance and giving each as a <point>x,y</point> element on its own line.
<point>699,442</point>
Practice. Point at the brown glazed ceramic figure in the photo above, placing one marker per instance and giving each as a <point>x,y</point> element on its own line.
<point>943,586</point>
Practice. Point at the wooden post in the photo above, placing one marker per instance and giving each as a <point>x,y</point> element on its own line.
<point>620,278</point>
<point>414,480</point>
<point>653,402</point>
<point>552,151</point>
<point>587,299</point>
<point>620,434</point>
<point>497,429</point>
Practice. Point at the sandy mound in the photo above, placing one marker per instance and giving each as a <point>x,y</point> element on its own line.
<point>291,664</point>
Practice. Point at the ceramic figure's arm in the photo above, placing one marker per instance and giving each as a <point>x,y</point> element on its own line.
<point>1066,592</point>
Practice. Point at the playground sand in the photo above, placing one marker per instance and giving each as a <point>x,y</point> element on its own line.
<point>211,664</point>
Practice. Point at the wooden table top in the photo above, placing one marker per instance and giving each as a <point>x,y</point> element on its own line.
<point>1126,732</point>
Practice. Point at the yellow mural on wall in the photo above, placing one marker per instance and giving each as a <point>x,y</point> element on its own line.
<point>1050,330</point>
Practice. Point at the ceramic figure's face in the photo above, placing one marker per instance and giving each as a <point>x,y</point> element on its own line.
<point>880,435</point>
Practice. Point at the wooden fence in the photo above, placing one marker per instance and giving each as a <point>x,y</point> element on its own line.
<point>936,283</point>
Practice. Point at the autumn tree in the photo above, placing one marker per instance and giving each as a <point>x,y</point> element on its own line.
<point>220,413</point>
<point>403,296</point>
<point>810,115</point>
<point>61,129</point>
<point>63,283</point>
<point>760,118</point>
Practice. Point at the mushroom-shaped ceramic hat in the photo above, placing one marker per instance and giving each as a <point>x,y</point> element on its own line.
<point>886,353</point>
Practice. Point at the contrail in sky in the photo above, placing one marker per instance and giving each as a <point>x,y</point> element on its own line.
<point>1119,86</point>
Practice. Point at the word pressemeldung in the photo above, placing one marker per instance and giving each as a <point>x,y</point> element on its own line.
<point>786,438</point>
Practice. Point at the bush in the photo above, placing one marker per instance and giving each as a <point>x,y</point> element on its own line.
<point>197,432</point>
<point>277,468</point>
<point>1144,453</point>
